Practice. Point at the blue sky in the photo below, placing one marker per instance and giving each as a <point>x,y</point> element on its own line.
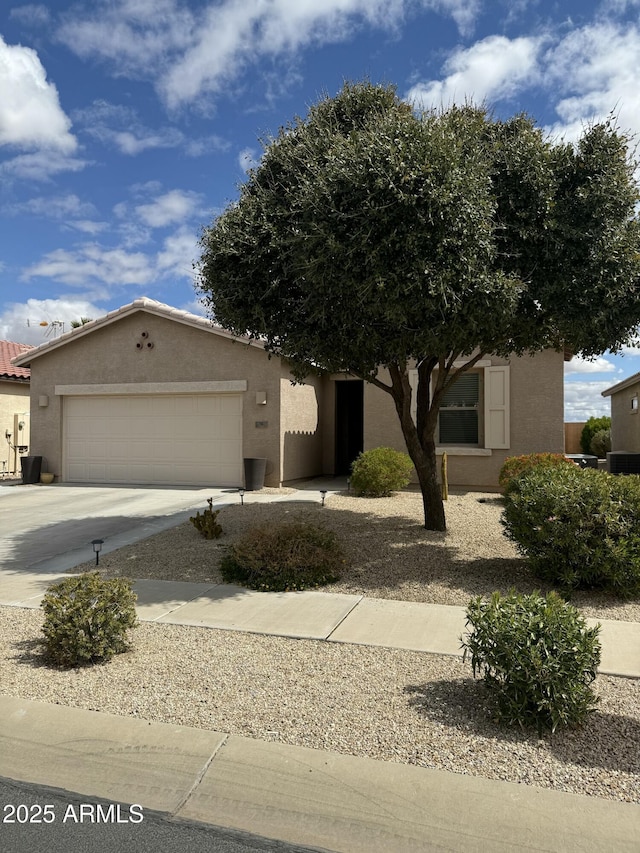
<point>127,125</point>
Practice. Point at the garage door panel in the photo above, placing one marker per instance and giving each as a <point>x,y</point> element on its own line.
<point>163,439</point>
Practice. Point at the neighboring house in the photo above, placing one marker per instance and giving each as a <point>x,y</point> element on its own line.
<point>151,394</point>
<point>625,419</point>
<point>14,407</point>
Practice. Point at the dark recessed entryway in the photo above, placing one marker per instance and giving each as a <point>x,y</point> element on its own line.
<point>349,423</point>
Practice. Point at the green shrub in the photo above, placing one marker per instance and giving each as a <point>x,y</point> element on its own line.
<point>592,426</point>
<point>87,618</point>
<point>601,443</point>
<point>537,656</point>
<point>514,466</point>
<point>579,528</point>
<point>284,556</point>
<point>378,472</point>
<point>207,522</point>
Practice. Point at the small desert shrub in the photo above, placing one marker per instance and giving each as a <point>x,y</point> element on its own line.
<point>537,656</point>
<point>285,556</point>
<point>579,528</point>
<point>207,523</point>
<point>592,426</point>
<point>86,619</point>
<point>378,472</point>
<point>514,466</point>
<point>601,443</point>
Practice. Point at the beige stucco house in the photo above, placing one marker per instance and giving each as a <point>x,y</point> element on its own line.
<point>625,419</point>
<point>14,407</point>
<point>150,394</point>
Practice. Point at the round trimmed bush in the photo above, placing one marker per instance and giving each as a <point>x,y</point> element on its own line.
<point>579,528</point>
<point>514,466</point>
<point>285,556</point>
<point>537,656</point>
<point>86,619</point>
<point>601,443</point>
<point>592,426</point>
<point>378,472</point>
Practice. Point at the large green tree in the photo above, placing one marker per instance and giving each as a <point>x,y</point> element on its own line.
<point>371,237</point>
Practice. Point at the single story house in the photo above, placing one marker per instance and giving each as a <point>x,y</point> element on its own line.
<point>149,394</point>
<point>625,420</point>
<point>14,406</point>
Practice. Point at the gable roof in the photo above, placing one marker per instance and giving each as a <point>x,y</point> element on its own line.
<point>150,306</point>
<point>630,380</point>
<point>8,351</point>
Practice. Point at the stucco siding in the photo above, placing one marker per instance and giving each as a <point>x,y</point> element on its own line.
<point>301,427</point>
<point>120,353</point>
<point>625,420</point>
<point>14,410</point>
<point>536,420</point>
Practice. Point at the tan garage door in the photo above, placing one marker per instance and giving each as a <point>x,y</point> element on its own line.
<point>166,439</point>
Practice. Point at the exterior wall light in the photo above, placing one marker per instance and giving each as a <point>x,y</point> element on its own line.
<point>97,547</point>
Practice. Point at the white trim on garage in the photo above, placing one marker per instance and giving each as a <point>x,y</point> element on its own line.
<point>231,386</point>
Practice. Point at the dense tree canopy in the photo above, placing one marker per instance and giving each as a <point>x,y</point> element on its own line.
<point>373,236</point>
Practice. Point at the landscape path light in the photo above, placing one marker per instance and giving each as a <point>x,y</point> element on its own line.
<point>97,547</point>
<point>323,494</point>
<point>241,493</point>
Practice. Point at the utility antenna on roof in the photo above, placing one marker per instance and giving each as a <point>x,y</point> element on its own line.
<point>51,328</point>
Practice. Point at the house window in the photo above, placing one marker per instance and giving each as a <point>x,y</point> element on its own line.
<point>634,403</point>
<point>458,422</point>
<point>474,416</point>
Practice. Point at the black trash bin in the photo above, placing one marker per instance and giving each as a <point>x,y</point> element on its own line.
<point>584,460</point>
<point>31,467</point>
<point>254,471</point>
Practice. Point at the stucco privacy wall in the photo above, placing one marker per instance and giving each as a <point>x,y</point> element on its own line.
<point>536,420</point>
<point>301,430</point>
<point>180,353</point>
<point>625,420</point>
<point>14,400</point>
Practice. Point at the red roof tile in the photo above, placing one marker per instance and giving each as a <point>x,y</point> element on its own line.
<point>9,350</point>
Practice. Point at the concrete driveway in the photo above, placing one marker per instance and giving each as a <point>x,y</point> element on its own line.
<point>49,528</point>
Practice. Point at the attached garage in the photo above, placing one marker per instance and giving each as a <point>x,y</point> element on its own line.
<point>163,439</point>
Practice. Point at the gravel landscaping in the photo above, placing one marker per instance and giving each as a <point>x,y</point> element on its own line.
<point>387,704</point>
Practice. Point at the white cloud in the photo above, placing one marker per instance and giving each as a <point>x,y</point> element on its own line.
<point>54,207</point>
<point>92,263</point>
<point>41,165</point>
<point>178,254</point>
<point>31,117</point>
<point>33,14</point>
<point>492,69</point>
<point>20,320</point>
<point>579,365</point>
<point>248,158</point>
<point>583,400</point>
<point>594,70</point>
<point>173,207</point>
<point>194,52</point>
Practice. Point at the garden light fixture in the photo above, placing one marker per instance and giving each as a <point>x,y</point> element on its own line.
<point>97,547</point>
<point>241,493</point>
<point>323,494</point>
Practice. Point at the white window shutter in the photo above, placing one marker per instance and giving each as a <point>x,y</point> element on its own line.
<point>496,408</point>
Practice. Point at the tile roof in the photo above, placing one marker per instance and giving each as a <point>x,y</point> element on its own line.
<point>9,350</point>
<point>141,304</point>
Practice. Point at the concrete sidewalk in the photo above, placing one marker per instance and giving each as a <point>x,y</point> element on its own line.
<point>299,795</point>
<point>335,617</point>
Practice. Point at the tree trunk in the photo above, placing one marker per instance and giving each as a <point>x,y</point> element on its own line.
<point>434,517</point>
<point>423,454</point>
